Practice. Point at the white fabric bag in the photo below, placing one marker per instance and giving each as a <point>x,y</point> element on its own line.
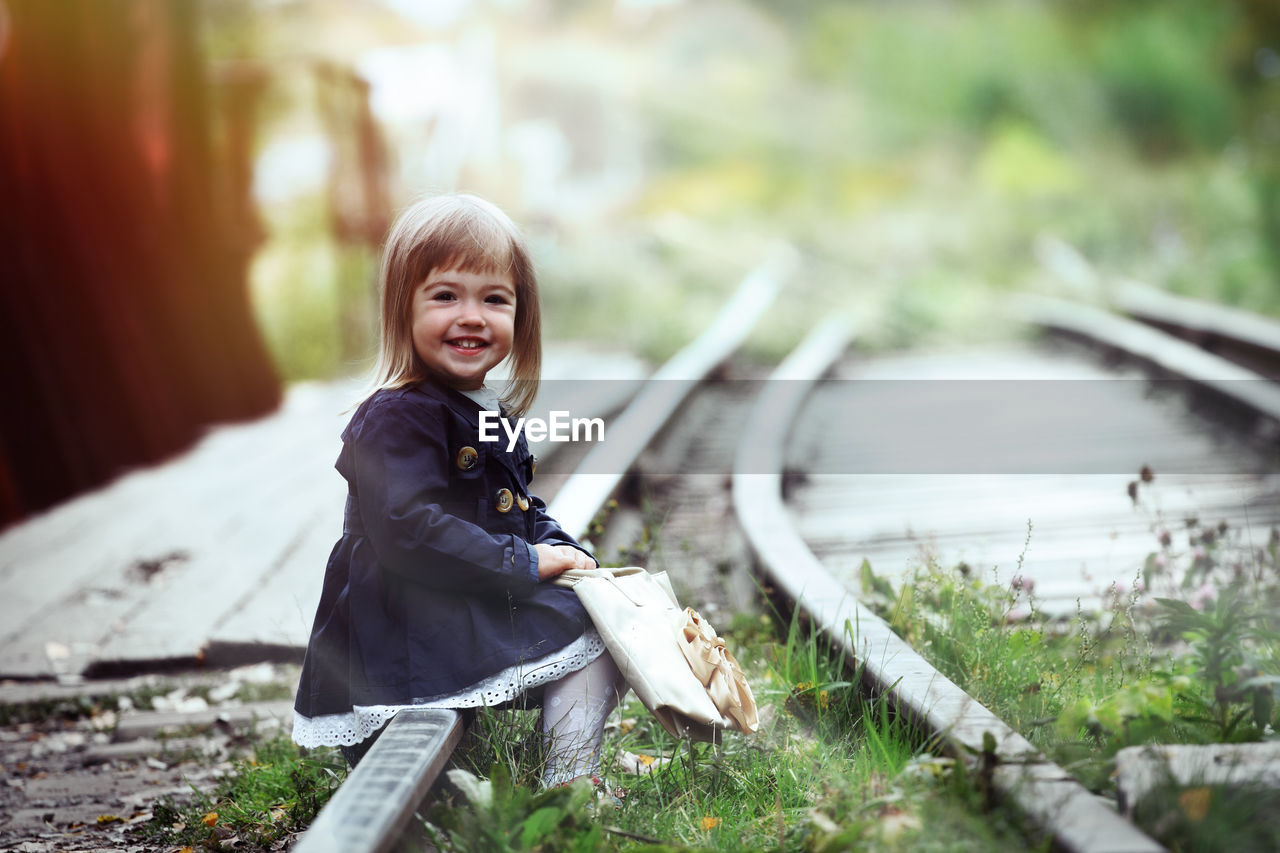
<point>670,656</point>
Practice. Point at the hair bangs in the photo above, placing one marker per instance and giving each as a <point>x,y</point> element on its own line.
<point>475,243</point>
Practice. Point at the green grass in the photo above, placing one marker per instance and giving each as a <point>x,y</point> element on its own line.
<point>1193,659</point>
<point>828,770</point>
<point>267,797</point>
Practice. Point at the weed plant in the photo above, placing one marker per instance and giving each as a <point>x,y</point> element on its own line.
<point>1189,654</point>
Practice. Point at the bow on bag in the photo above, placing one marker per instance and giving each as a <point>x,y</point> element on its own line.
<point>717,670</point>
<point>671,657</point>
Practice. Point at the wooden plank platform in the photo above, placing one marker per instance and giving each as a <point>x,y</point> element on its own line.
<point>221,550</point>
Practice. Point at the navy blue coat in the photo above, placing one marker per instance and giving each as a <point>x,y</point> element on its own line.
<point>431,587</point>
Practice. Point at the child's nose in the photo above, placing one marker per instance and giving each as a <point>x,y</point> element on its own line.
<point>471,314</point>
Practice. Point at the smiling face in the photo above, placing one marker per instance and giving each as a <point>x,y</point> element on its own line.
<point>463,324</point>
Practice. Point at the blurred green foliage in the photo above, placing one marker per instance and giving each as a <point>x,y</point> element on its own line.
<point>1161,70</point>
<point>913,152</point>
<point>313,296</point>
<point>950,136</point>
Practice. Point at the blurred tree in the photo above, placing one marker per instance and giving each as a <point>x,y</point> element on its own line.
<point>124,320</point>
<point>1230,92</point>
<point>359,199</point>
<point>1254,52</point>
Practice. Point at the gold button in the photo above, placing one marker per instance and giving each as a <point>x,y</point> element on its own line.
<point>504,500</point>
<point>522,502</point>
<point>533,468</point>
<point>467,458</point>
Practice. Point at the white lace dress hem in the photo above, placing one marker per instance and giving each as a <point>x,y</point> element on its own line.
<point>362,721</point>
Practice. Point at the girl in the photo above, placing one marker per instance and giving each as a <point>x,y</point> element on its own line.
<point>438,595</point>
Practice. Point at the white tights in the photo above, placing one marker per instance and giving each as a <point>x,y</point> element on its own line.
<point>574,710</point>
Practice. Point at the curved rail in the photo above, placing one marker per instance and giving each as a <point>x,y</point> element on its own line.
<point>1158,348</point>
<point>1053,801</point>
<point>1230,351</point>
<point>370,811</point>
<point>1207,324</point>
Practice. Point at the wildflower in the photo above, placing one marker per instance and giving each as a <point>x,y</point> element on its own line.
<point>710,822</point>
<point>1194,803</point>
<point>1022,584</point>
<point>638,764</point>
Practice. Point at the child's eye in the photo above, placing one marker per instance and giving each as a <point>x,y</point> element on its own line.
<point>496,299</point>
<point>443,296</point>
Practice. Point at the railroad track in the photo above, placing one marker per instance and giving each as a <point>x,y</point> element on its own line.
<point>379,798</point>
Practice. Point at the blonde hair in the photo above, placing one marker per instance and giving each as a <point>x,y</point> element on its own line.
<point>456,231</point>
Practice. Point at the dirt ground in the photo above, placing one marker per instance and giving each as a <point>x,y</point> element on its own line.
<point>83,765</point>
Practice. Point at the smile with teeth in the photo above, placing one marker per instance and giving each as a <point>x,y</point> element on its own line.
<point>468,343</point>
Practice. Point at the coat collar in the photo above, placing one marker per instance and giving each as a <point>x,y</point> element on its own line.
<point>460,403</point>
<point>463,406</point>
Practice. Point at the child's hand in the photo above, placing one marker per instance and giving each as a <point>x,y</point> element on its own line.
<point>555,559</point>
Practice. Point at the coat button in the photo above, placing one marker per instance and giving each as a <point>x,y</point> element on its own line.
<point>533,466</point>
<point>522,502</point>
<point>467,458</point>
<point>504,500</point>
